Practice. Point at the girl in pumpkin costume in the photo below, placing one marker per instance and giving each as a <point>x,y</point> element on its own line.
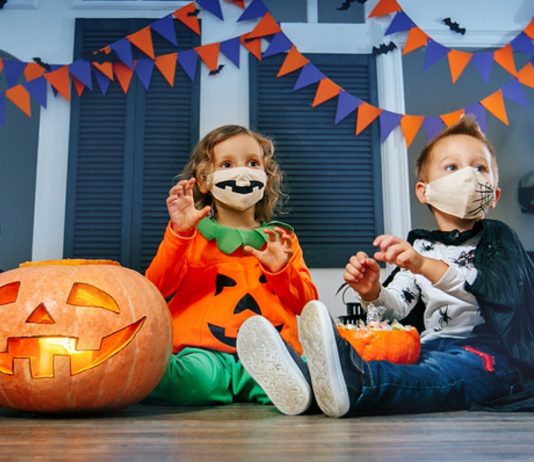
<point>222,261</point>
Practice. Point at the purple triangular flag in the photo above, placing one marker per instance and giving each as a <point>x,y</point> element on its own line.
<point>102,80</point>
<point>2,106</point>
<point>231,48</point>
<point>432,125</point>
<point>400,23</point>
<point>123,48</point>
<point>388,121</point>
<point>165,28</point>
<point>256,9</point>
<point>279,44</point>
<point>346,103</point>
<point>213,6</point>
<point>81,69</point>
<point>514,90</point>
<point>143,69</point>
<point>309,74</point>
<point>434,52</point>
<point>478,111</point>
<point>188,60</point>
<point>13,69</point>
<point>38,88</point>
<point>483,62</point>
<point>523,43</point>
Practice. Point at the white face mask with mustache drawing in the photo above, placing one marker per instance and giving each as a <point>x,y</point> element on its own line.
<point>238,187</point>
<point>464,194</point>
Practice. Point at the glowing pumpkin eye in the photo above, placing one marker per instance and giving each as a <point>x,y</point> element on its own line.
<point>88,295</point>
<point>9,293</point>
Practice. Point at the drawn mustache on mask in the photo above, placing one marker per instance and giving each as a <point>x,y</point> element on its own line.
<point>240,189</point>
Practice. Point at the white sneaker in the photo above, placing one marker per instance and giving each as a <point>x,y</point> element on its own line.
<point>321,353</point>
<point>267,359</point>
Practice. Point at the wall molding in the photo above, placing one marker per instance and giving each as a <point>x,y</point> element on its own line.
<point>127,5</point>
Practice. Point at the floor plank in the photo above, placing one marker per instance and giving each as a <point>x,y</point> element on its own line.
<point>242,432</point>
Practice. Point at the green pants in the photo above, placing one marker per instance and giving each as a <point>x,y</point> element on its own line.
<point>197,377</point>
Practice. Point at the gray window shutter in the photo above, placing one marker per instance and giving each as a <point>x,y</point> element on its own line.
<point>333,177</point>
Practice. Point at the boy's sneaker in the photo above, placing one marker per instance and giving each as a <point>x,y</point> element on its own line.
<point>274,365</point>
<point>335,367</point>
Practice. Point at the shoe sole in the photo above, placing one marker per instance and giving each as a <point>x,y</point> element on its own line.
<point>320,350</point>
<point>265,357</point>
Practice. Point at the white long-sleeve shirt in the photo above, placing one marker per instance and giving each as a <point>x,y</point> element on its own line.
<point>450,311</point>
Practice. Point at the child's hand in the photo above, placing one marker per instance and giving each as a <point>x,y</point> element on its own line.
<point>277,252</point>
<point>181,207</point>
<point>363,275</point>
<point>398,252</point>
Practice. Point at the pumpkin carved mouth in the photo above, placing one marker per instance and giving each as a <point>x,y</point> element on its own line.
<point>41,350</point>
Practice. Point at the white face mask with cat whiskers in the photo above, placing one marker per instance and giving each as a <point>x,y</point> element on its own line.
<point>463,194</point>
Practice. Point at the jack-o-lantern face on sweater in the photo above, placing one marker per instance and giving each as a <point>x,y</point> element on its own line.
<point>230,297</point>
<point>80,335</point>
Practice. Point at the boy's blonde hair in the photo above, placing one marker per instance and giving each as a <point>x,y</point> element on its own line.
<point>465,126</point>
<point>201,165</point>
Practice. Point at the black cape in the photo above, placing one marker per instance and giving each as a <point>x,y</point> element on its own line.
<point>504,289</point>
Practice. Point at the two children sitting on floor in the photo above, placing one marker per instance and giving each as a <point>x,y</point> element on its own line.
<point>472,275</point>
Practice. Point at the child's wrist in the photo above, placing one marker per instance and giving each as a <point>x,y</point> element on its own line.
<point>182,232</point>
<point>370,295</point>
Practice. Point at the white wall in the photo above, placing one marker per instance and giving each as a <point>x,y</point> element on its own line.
<point>45,28</point>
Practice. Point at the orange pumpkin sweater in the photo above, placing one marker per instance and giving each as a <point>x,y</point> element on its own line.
<point>213,293</point>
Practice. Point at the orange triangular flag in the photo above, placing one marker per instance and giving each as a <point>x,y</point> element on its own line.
<point>166,64</point>
<point>187,16</point>
<point>209,54</point>
<point>293,61</point>
<point>105,68</point>
<point>20,97</point>
<point>526,75</point>
<point>239,3</point>
<point>529,30</point>
<point>266,26</point>
<point>325,90</point>
<point>452,117</point>
<point>142,39</point>
<point>60,80</point>
<point>33,71</point>
<point>416,39</point>
<point>505,58</point>
<point>253,46</point>
<point>1,64</point>
<point>384,7</point>
<point>78,86</point>
<point>124,75</point>
<point>458,60</point>
<point>365,116</point>
<point>494,103</point>
<point>410,125</point>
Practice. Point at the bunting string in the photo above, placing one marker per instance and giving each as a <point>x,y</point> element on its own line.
<point>458,60</point>
<point>115,63</point>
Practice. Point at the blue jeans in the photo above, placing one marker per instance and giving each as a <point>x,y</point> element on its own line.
<point>451,374</point>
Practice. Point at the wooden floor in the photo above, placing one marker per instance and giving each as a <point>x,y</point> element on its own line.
<point>247,432</point>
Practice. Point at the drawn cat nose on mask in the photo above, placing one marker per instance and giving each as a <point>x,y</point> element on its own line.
<point>463,194</point>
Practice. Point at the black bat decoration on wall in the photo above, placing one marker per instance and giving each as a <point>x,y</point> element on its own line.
<point>2,3</point>
<point>384,48</point>
<point>193,13</point>
<point>100,57</point>
<point>44,65</point>
<point>454,26</point>
<point>347,3</point>
<point>216,71</point>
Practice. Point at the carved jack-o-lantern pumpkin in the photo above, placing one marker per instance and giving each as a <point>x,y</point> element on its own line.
<point>401,346</point>
<point>80,335</point>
